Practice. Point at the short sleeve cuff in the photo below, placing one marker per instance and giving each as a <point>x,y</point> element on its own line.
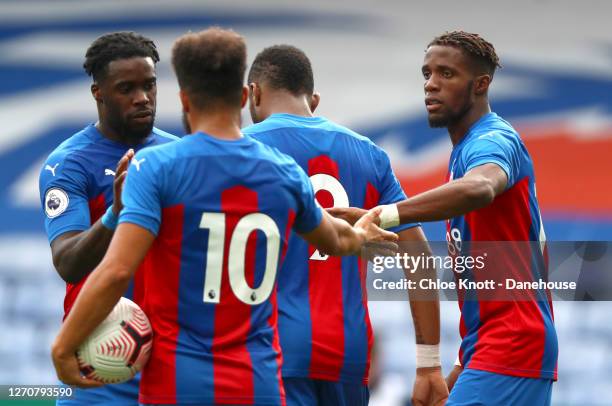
<point>491,160</point>
<point>66,229</point>
<point>148,222</point>
<point>310,222</point>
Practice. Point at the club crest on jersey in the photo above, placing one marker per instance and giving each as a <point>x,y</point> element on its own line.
<point>56,202</point>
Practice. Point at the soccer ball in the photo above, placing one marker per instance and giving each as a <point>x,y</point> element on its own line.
<point>119,347</point>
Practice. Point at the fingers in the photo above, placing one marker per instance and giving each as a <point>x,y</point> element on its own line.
<point>87,383</point>
<point>338,213</point>
<point>68,371</point>
<point>117,189</point>
<point>348,214</point>
<point>381,249</point>
<point>388,236</point>
<point>369,218</point>
<point>439,392</point>
<point>420,392</point>
<point>124,162</point>
<point>335,211</point>
<point>119,179</point>
<point>373,250</point>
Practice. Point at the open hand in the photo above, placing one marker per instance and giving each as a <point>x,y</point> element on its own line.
<point>368,225</point>
<point>120,175</point>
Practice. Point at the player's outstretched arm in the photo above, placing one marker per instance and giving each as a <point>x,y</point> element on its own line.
<point>76,253</point>
<point>99,295</point>
<point>336,237</point>
<point>477,189</point>
<point>348,214</point>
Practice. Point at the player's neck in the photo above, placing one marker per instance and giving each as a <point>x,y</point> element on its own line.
<point>108,132</point>
<point>289,104</point>
<point>459,129</point>
<point>221,124</point>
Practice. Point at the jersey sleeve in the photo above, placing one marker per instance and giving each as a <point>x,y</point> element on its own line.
<point>309,213</point>
<point>495,148</point>
<point>141,193</point>
<point>390,189</point>
<point>63,193</point>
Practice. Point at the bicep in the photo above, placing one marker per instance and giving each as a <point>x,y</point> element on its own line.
<point>493,173</point>
<point>61,243</point>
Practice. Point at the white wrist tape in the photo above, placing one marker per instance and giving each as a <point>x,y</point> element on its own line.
<point>427,356</point>
<point>458,361</point>
<point>389,216</point>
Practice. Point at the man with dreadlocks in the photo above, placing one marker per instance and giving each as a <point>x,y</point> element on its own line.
<point>509,347</point>
<point>81,180</point>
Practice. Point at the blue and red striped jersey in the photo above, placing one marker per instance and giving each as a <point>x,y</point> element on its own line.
<point>511,337</point>
<point>324,325</point>
<point>76,186</point>
<point>222,212</point>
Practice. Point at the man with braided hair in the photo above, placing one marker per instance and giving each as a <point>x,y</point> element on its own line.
<point>81,181</point>
<point>509,347</point>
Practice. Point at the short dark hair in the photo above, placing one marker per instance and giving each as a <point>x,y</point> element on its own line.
<point>114,46</point>
<point>283,67</point>
<point>210,66</point>
<point>480,51</point>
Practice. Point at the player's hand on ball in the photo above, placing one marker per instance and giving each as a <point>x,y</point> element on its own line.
<point>67,370</point>
<point>348,214</point>
<point>120,175</point>
<point>429,388</point>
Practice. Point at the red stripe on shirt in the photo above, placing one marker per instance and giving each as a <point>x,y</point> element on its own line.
<point>512,335</point>
<point>232,365</point>
<point>161,269</point>
<point>325,294</point>
<point>273,322</point>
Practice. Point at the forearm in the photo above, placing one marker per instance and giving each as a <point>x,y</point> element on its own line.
<point>426,319</point>
<point>96,300</point>
<point>81,253</point>
<point>424,303</point>
<point>424,306</point>
<point>447,201</point>
<point>349,239</point>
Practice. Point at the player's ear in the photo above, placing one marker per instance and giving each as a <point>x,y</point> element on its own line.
<point>245,96</point>
<point>184,101</point>
<point>96,93</point>
<point>314,101</point>
<point>255,93</point>
<point>481,85</point>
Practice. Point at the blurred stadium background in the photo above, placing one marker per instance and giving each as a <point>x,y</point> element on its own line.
<point>555,87</point>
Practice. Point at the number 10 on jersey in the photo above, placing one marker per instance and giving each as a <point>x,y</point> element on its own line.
<point>235,257</point>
